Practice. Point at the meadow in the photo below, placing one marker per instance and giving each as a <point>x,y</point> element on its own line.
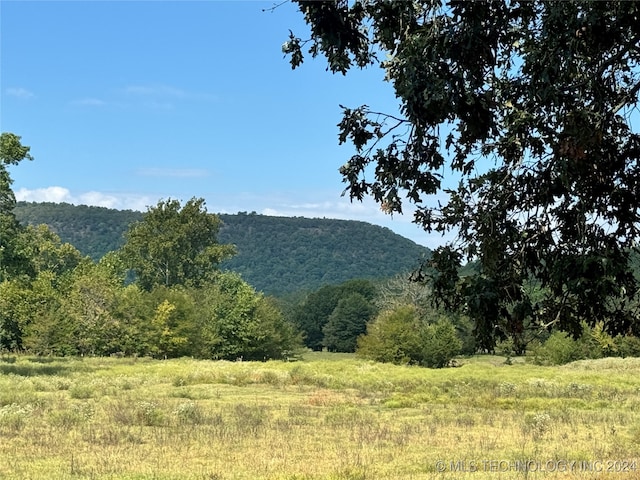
<point>327,416</point>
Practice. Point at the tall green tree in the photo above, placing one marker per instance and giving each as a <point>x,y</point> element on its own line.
<point>46,251</point>
<point>15,310</point>
<point>172,330</point>
<point>45,326</point>
<point>402,335</point>
<point>347,322</point>
<point>401,291</point>
<point>237,322</point>
<point>313,313</point>
<point>529,103</point>
<point>393,336</point>
<point>12,260</point>
<point>25,299</point>
<point>32,259</point>
<point>175,245</point>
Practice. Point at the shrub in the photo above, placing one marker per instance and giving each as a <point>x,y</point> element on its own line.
<point>393,337</point>
<point>81,392</point>
<point>464,331</point>
<point>559,349</point>
<point>627,345</point>
<point>440,344</point>
<point>400,336</point>
<point>347,322</point>
<point>14,416</point>
<point>595,342</point>
<point>537,424</point>
<point>189,413</point>
<point>148,413</point>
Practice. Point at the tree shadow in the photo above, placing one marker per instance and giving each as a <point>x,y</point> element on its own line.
<point>32,370</point>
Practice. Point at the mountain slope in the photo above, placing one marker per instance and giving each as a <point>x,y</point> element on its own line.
<point>92,230</point>
<point>276,255</point>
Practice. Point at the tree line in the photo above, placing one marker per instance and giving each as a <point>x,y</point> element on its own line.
<point>531,106</point>
<point>162,294</point>
<point>397,321</point>
<point>276,255</point>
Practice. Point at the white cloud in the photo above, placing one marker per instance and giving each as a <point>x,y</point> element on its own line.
<point>19,92</point>
<point>48,194</point>
<point>340,208</point>
<point>133,201</point>
<point>155,97</point>
<point>89,102</point>
<point>98,199</point>
<point>276,204</point>
<point>55,194</point>
<point>155,105</point>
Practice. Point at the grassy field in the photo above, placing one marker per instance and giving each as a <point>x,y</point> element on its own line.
<point>325,417</point>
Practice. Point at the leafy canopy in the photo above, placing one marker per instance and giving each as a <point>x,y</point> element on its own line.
<point>529,103</point>
<point>403,335</point>
<point>347,322</point>
<point>12,261</point>
<point>276,255</point>
<point>175,245</point>
<point>313,314</point>
<point>12,152</point>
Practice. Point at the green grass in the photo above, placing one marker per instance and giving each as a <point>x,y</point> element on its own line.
<point>330,417</point>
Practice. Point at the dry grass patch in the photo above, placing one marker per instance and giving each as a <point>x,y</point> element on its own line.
<point>323,418</point>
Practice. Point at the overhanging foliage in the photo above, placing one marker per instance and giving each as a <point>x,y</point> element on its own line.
<point>530,104</point>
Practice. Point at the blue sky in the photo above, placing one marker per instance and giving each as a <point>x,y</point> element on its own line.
<point>125,103</point>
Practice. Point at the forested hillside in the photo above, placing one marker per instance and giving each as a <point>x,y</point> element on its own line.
<point>92,230</point>
<point>276,255</point>
<point>282,254</point>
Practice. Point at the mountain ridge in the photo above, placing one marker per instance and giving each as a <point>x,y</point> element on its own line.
<point>276,255</point>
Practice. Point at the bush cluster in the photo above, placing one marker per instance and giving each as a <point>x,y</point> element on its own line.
<point>561,348</point>
<point>403,336</point>
<point>89,312</point>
